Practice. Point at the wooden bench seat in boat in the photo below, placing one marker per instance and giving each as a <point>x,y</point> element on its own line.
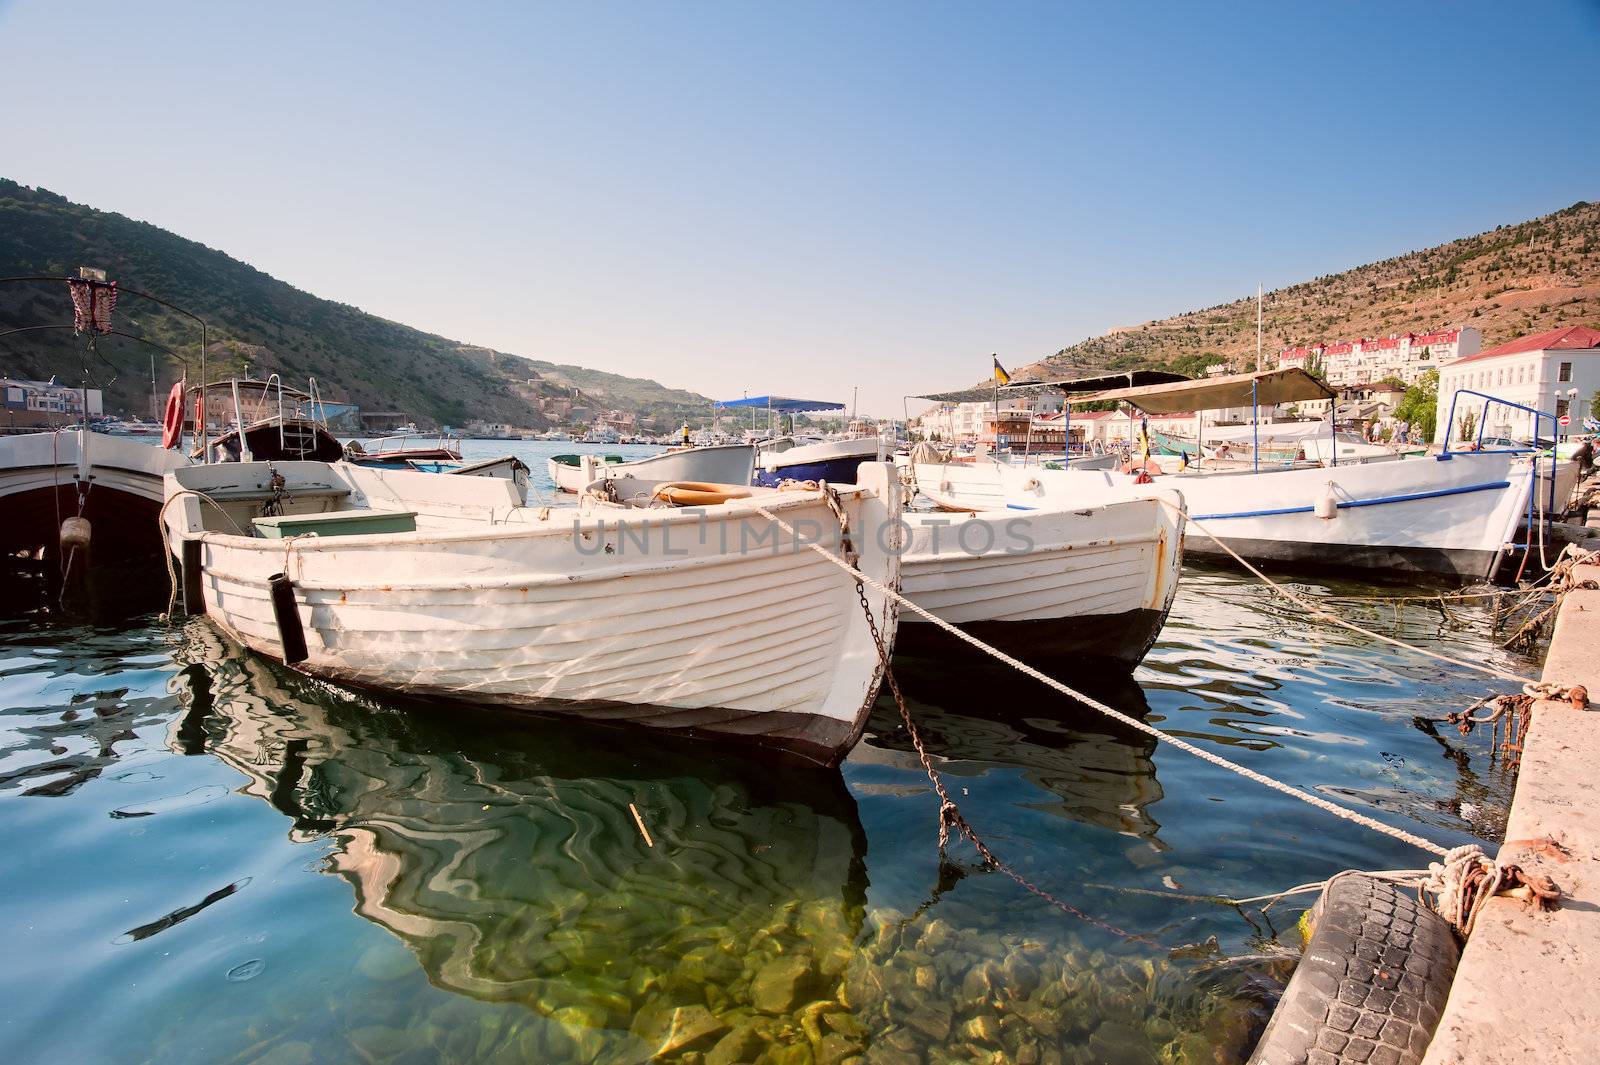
<point>336,523</point>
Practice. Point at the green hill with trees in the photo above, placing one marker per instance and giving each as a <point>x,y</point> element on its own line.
<point>271,325</point>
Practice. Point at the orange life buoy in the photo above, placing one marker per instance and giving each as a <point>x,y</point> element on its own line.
<point>699,493</point>
<point>172,422</point>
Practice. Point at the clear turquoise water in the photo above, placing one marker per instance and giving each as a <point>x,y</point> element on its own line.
<point>211,859</point>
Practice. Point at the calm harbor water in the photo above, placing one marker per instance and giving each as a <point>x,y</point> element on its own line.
<point>213,859</point>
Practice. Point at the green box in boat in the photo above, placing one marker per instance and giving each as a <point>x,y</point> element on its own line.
<point>337,523</point>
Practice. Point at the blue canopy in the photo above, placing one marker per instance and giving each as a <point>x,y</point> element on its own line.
<point>782,404</point>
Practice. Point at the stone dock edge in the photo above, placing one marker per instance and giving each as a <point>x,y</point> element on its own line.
<point>1528,985</point>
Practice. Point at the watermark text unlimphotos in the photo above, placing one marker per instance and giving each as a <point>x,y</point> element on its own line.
<point>683,536</point>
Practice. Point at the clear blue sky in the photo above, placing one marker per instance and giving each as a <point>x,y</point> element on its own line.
<point>801,198</point>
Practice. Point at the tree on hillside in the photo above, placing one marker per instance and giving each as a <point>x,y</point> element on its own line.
<point>1420,404</point>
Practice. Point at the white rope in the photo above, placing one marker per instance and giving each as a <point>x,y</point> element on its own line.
<point>166,551</point>
<point>1131,722</point>
<point>1352,626</point>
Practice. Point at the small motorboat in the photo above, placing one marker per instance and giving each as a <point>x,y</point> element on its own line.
<point>800,459</point>
<point>270,422</point>
<point>713,464</point>
<point>402,452</point>
<point>1051,587</point>
<point>705,619</point>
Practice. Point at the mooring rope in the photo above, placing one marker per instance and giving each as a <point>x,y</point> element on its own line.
<point>1132,722</point>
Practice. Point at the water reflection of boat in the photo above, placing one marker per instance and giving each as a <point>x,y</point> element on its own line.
<point>986,716</point>
<point>506,857</point>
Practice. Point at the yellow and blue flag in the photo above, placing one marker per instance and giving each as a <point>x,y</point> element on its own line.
<point>1000,374</point>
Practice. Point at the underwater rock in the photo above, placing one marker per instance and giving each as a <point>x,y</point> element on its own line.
<point>1021,978</point>
<point>287,1054</point>
<point>984,1028</point>
<point>834,1048</point>
<point>670,1030</point>
<point>378,1041</point>
<point>779,985</point>
<point>742,1043</point>
<point>932,1019</point>
<point>386,961</point>
<point>936,936</point>
<point>1115,1043</point>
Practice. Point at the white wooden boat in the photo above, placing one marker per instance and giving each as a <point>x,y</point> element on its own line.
<point>1047,586</point>
<point>705,621</point>
<point>113,483</point>
<point>1447,514</point>
<point>716,464</point>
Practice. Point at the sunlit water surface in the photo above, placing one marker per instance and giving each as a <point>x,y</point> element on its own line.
<point>212,859</point>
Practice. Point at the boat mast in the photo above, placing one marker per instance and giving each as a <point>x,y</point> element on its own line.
<point>1258,327</point>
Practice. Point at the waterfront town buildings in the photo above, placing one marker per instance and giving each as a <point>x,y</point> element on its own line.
<point>1353,363</point>
<point>1557,372</point>
<point>42,404</point>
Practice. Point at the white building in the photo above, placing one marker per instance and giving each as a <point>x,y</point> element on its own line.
<point>32,404</point>
<point>967,423</point>
<point>1556,372</point>
<point>1354,363</point>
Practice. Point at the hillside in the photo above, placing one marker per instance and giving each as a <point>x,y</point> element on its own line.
<point>355,357</point>
<point>1512,280</point>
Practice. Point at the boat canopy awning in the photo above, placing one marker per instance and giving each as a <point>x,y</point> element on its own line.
<point>1267,388</point>
<point>1097,383</point>
<point>781,404</point>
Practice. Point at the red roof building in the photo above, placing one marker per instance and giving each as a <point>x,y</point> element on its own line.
<point>1573,337</point>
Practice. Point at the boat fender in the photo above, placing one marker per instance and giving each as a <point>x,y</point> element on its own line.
<point>1327,508</point>
<point>287,615</point>
<point>172,422</point>
<point>194,600</point>
<point>75,533</point>
<point>699,493</point>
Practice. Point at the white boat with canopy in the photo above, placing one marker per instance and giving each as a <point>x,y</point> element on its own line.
<point>1453,513</point>
<point>706,620</point>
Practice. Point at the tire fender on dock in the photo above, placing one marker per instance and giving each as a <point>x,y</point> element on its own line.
<point>1371,985</point>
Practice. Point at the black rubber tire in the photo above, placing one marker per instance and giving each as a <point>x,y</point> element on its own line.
<point>1372,983</point>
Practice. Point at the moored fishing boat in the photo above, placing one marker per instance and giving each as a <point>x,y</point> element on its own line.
<point>111,484</point>
<point>1050,586</point>
<point>403,452</point>
<point>705,621</point>
<point>268,422</point>
<point>1449,514</point>
<point>712,464</point>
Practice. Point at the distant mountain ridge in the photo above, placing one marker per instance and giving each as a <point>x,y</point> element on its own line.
<point>355,356</point>
<point>1509,281</point>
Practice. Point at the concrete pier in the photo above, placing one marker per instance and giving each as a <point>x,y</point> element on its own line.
<point>1528,986</point>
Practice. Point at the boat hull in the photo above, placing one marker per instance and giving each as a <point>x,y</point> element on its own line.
<point>659,618</point>
<point>833,461</point>
<point>1047,587</point>
<point>116,484</point>
<point>1448,515</point>
<point>718,464</point>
